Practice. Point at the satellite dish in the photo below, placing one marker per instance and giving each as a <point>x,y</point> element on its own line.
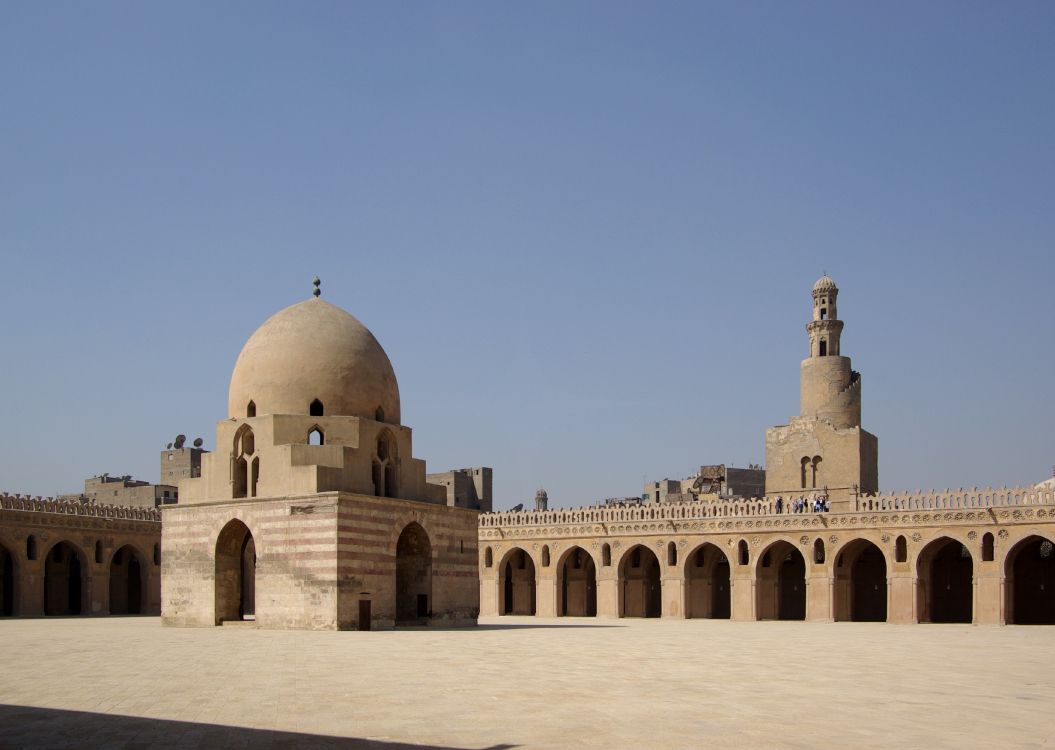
<point>180,440</point>
<point>198,442</point>
<point>168,447</point>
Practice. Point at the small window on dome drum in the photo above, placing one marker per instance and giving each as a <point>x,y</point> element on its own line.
<point>315,410</point>
<point>250,409</point>
<point>379,415</point>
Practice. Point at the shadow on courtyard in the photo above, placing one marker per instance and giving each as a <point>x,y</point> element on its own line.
<point>27,726</point>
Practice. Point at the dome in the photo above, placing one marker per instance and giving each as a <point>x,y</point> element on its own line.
<point>824,283</point>
<point>314,351</point>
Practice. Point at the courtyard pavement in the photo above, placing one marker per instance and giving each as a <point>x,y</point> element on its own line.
<point>527,683</point>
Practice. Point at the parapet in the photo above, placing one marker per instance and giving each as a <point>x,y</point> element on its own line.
<point>37,504</point>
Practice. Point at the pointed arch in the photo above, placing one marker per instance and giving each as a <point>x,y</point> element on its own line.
<point>901,549</point>
<point>708,583</point>
<point>861,588</point>
<point>576,583</point>
<point>316,436</point>
<point>235,577</point>
<point>1029,570</point>
<point>780,588</point>
<point>9,582</point>
<point>65,580</point>
<point>640,583</point>
<point>516,583</point>
<point>250,409</point>
<point>945,571</point>
<point>316,409</point>
<point>413,575</point>
<point>127,582</point>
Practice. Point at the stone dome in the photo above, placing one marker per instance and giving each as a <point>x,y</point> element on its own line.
<point>314,351</point>
<point>824,283</point>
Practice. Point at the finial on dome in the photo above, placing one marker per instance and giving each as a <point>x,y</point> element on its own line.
<point>317,284</point>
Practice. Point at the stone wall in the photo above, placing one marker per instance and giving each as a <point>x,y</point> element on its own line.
<point>317,558</point>
<point>905,535</point>
<point>68,558</point>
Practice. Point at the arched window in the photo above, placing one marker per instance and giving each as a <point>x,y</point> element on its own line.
<point>31,548</point>
<point>98,553</point>
<point>243,464</point>
<point>489,558</point>
<point>316,436</point>
<point>816,473</point>
<point>805,470</point>
<point>900,550</point>
<point>386,466</point>
<point>250,409</point>
<point>606,554</point>
<point>672,554</point>
<point>315,410</point>
<point>157,554</point>
<point>987,547</point>
<point>379,414</point>
<point>818,551</point>
<point>824,348</point>
<point>545,555</point>
<point>742,553</point>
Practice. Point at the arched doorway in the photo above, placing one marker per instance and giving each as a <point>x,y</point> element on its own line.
<point>235,573</point>
<point>516,583</point>
<point>126,582</point>
<point>640,592</point>
<point>946,582</point>
<point>707,584</point>
<point>1030,572</point>
<point>577,584</point>
<point>413,576</point>
<point>7,583</point>
<point>65,585</point>
<point>861,583</point>
<point>781,583</point>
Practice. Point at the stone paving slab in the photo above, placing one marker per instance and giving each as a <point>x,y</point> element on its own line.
<point>527,683</point>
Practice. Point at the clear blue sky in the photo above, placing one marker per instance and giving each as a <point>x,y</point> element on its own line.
<point>584,232</point>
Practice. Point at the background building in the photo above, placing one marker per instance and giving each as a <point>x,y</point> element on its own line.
<point>466,488</point>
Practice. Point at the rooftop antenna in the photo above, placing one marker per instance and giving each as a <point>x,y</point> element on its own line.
<point>317,291</point>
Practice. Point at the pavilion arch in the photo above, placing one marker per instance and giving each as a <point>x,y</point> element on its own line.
<point>640,584</point>
<point>66,580</point>
<point>128,581</point>
<point>576,583</point>
<point>1029,575</point>
<point>413,575</point>
<point>385,465</point>
<point>945,576</point>
<point>516,583</point>
<point>245,467</point>
<point>861,582</point>
<point>780,582</point>
<point>707,583</point>
<point>316,436</point>
<point>9,583</point>
<point>236,562</point>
